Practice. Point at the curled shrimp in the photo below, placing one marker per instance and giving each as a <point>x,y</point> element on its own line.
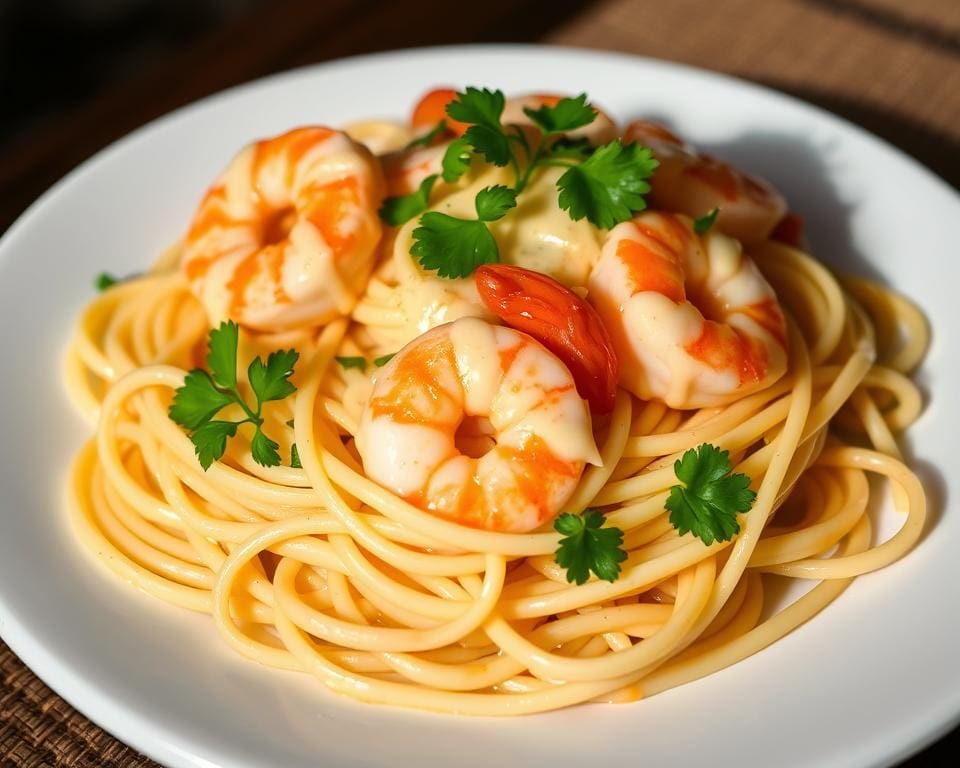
<point>479,424</point>
<point>693,321</point>
<point>286,237</point>
<point>693,183</point>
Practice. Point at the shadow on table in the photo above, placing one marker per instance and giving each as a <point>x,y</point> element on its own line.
<point>936,150</point>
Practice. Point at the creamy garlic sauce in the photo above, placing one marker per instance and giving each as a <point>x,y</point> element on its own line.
<point>537,235</point>
<point>477,354</point>
<point>379,136</point>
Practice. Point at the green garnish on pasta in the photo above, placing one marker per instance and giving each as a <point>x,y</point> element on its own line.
<point>708,499</point>
<point>205,394</point>
<point>605,185</point>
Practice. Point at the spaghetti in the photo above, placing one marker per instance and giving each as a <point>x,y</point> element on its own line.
<point>321,569</point>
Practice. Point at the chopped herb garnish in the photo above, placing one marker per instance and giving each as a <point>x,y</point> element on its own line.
<point>707,501</point>
<point>360,363</point>
<point>399,210</point>
<point>606,185</point>
<point>204,394</point>
<point>703,224</point>
<point>430,136</point>
<point>589,547</point>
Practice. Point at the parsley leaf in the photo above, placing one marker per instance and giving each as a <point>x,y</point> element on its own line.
<point>490,142</point>
<point>707,502</point>
<point>295,457</point>
<point>399,210</point>
<point>454,247</point>
<point>703,224</point>
<point>271,381</point>
<point>197,401</point>
<point>481,109</point>
<point>478,107</point>
<point>574,149</point>
<point>360,363</point>
<point>589,546</point>
<point>105,280</point>
<point>566,115</point>
<point>456,160</point>
<point>608,187</point>
<point>210,441</point>
<point>204,394</point>
<point>492,203</point>
<point>429,137</point>
<point>222,357</point>
<point>383,360</point>
<point>264,449</point>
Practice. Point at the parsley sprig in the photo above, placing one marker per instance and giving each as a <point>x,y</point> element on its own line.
<point>360,363</point>
<point>704,223</point>
<point>430,136</point>
<point>455,247</point>
<point>605,185</point>
<point>707,501</point>
<point>588,546</point>
<point>204,394</point>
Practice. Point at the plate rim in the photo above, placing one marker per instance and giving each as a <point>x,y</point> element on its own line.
<point>160,744</point>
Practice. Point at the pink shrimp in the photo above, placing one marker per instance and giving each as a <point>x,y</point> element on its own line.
<point>693,183</point>
<point>287,235</point>
<point>479,424</point>
<point>693,321</point>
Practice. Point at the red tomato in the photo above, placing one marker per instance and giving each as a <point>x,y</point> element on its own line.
<point>560,320</point>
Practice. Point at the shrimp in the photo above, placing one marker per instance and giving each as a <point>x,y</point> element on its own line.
<point>478,424</point>
<point>693,321</point>
<point>405,169</point>
<point>693,183</point>
<point>287,235</point>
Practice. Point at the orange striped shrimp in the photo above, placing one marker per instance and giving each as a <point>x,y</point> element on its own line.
<point>693,321</point>
<point>693,183</point>
<point>478,424</point>
<point>287,235</point>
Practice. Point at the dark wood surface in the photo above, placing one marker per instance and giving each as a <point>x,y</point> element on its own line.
<point>893,67</point>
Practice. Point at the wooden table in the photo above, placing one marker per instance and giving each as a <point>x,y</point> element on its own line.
<point>892,67</point>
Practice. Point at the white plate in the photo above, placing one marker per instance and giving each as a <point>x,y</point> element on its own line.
<point>864,683</point>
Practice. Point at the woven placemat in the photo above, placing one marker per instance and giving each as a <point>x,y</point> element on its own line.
<point>38,729</point>
<point>891,66</point>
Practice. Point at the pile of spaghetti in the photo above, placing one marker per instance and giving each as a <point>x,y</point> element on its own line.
<point>493,412</point>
